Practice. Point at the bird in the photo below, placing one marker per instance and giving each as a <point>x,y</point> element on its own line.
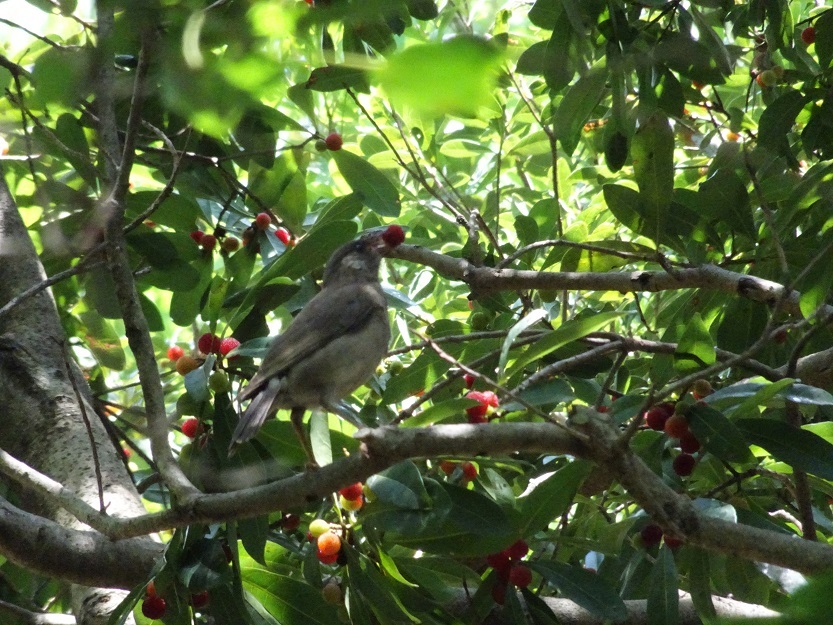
<point>330,348</point>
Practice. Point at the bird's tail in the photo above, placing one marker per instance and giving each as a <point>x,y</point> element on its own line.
<point>255,415</point>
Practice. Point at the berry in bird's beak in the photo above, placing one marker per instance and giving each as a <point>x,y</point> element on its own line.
<point>393,236</point>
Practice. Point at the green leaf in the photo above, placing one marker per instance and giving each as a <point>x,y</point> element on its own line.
<point>401,485</point>
<point>456,76</point>
<point>717,434</point>
<point>532,60</point>
<point>690,58</point>
<point>185,305</point>
<point>824,38</point>
<point>700,584</point>
<point>422,9</point>
<point>178,212</point>
<point>338,77</point>
<point>566,333</point>
<point>540,612</point>
<point>545,13</point>
<point>778,119</point>
<point>663,598</point>
<point>291,602</point>
<point>577,106</point>
<point>799,448</point>
<point>437,412</point>
<point>652,154</point>
<point>724,196</point>
<point>587,589</point>
<point>376,190</point>
<point>696,347</point>
<point>551,497</point>
<point>418,376</point>
<point>103,341</point>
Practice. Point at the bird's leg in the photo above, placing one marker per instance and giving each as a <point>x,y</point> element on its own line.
<point>296,416</point>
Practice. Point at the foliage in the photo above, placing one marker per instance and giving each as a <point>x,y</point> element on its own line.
<point>565,136</point>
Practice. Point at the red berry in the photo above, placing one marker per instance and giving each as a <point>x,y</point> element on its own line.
<point>780,337</point>
<point>175,352</point>
<point>208,242</point>
<point>603,408</point>
<point>448,466</point>
<point>153,607</point>
<point>651,535</point>
<point>326,558</point>
<point>517,550</point>
<point>283,235</point>
<point>672,542</point>
<point>191,427</point>
<point>487,399</point>
<point>290,522</point>
<point>199,600</point>
<point>468,379</point>
<point>499,593</point>
<point>808,35</point>
<point>352,492</point>
<point>684,464</point>
<point>393,236</point>
<point>227,344</point>
<point>658,415</point>
<point>209,343</point>
<point>676,426</point>
<point>262,221</point>
<point>126,452</point>
<point>334,141</point>
<point>689,443</point>
<point>498,561</point>
<point>520,576</point>
<point>469,471</point>
<point>197,235</point>
<point>477,414</point>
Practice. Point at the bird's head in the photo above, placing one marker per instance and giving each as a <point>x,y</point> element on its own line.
<point>358,260</point>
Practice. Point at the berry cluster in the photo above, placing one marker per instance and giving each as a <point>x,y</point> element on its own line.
<point>509,569</point>
<point>468,470</point>
<point>351,498</point>
<point>487,402</point>
<point>327,542</point>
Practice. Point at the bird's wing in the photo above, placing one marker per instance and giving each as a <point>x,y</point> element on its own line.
<point>332,313</point>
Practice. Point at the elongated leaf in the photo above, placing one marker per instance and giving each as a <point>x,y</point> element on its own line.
<point>663,598</point>
<point>652,153</point>
<point>288,600</point>
<point>455,76</point>
<point>568,332</point>
<point>696,347</point>
<point>799,448</point>
<point>376,189</point>
<point>587,589</point>
<point>513,334</point>
<point>551,497</point>
<point>337,77</point>
<point>577,105</point>
<point>400,485</point>
<point>717,434</point>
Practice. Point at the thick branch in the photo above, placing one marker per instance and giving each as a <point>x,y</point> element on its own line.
<point>87,558</point>
<point>485,279</point>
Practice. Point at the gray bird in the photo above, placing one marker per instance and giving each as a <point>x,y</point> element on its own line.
<point>331,347</point>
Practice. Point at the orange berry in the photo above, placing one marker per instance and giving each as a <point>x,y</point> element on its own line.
<point>676,426</point>
<point>187,364</point>
<point>329,543</point>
